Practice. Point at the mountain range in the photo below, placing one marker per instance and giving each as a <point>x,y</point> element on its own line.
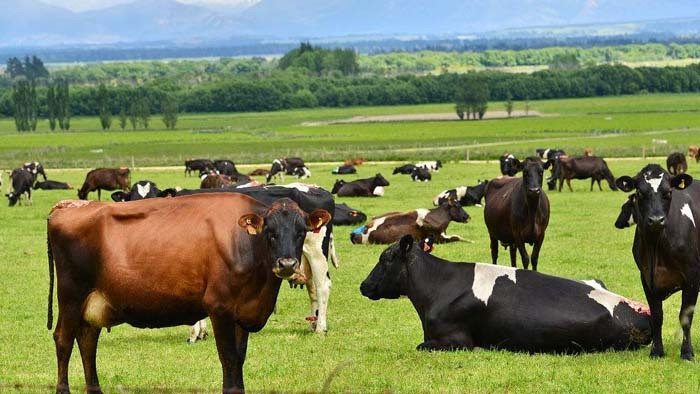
<point>35,23</point>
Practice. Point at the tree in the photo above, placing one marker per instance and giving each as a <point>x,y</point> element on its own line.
<point>144,111</point>
<point>471,97</point>
<point>169,111</point>
<point>25,105</point>
<point>51,105</point>
<point>509,103</point>
<point>63,104</point>
<point>134,114</point>
<point>527,105</point>
<point>104,108</point>
<point>122,117</point>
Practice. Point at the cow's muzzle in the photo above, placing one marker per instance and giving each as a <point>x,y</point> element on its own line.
<point>534,191</point>
<point>285,267</point>
<point>656,222</point>
<point>369,291</point>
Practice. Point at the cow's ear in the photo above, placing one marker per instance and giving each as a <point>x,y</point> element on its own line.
<point>519,165</point>
<point>120,196</point>
<point>252,223</point>
<point>318,218</point>
<point>170,192</point>
<point>681,181</point>
<point>625,183</point>
<point>406,244</point>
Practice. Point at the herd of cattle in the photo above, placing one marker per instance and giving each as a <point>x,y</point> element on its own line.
<point>250,236</point>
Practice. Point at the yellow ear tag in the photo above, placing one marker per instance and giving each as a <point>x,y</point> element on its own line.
<point>682,184</point>
<point>320,223</point>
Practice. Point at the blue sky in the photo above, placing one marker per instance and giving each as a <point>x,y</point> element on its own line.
<point>82,5</point>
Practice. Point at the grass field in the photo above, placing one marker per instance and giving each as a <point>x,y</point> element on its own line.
<point>371,343</point>
<point>612,126</point>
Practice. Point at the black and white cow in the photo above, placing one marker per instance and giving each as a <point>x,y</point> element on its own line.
<point>142,190</point>
<point>53,185</point>
<point>288,166</point>
<point>467,305</point>
<point>551,158</point>
<point>344,215</point>
<point>666,245</point>
<point>225,167</point>
<point>368,187</point>
<point>626,217</point>
<point>35,168</point>
<point>406,169</point>
<point>347,169</point>
<point>22,181</point>
<point>421,174</point>
<point>510,165</point>
<point>432,166</point>
<point>466,195</point>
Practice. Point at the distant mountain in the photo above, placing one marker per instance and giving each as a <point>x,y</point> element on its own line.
<point>34,22</point>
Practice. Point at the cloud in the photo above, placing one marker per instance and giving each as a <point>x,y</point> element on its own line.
<point>84,5</point>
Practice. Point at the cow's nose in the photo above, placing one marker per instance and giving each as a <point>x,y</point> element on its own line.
<point>534,190</point>
<point>286,263</point>
<point>656,221</point>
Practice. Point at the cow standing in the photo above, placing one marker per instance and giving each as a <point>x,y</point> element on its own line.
<point>676,163</point>
<point>584,167</point>
<point>509,164</point>
<point>288,166</point>
<point>104,178</point>
<point>368,187</point>
<point>517,212</point>
<point>218,255</point>
<point>666,245</point>
<point>694,152</point>
<point>225,167</point>
<point>21,184</point>
<point>466,195</point>
<point>35,168</point>
<point>551,158</point>
<point>198,165</point>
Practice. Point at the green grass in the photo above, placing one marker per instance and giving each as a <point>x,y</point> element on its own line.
<point>374,342</point>
<point>612,126</point>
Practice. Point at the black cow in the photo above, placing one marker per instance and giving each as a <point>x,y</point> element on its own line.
<point>467,305</point>
<point>551,158</point>
<point>225,167</point>
<point>288,166</point>
<point>406,169</point>
<point>142,190</point>
<point>626,217</point>
<point>35,168</point>
<point>466,195</point>
<point>666,245</point>
<point>347,169</point>
<point>368,187</point>
<point>421,174</point>
<point>676,163</point>
<point>510,165</point>
<point>584,167</point>
<point>21,184</point>
<point>53,185</point>
<point>199,165</point>
<point>344,215</point>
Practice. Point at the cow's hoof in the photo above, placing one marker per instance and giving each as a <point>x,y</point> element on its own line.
<point>688,356</point>
<point>657,353</point>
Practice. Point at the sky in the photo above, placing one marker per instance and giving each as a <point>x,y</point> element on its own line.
<point>82,5</point>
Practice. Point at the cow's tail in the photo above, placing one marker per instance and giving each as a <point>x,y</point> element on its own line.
<point>49,322</point>
<point>331,252</point>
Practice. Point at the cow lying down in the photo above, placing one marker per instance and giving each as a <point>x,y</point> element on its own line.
<point>467,305</point>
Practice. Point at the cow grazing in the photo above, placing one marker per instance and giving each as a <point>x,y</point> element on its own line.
<point>219,255</point>
<point>510,165</point>
<point>35,168</point>
<point>676,163</point>
<point>21,180</point>
<point>346,169</point>
<point>549,153</point>
<point>584,167</point>
<point>53,185</point>
<point>666,245</point>
<point>551,158</point>
<point>432,166</point>
<point>517,212</point>
<point>466,195</point>
<point>288,166</point>
<point>344,215</point>
<point>467,305</point>
<point>694,152</point>
<point>368,187</point>
<point>142,190</point>
<point>198,165</point>
<point>225,167</point>
<point>104,178</point>
<point>354,162</point>
<point>420,223</point>
<point>421,174</point>
<point>406,169</point>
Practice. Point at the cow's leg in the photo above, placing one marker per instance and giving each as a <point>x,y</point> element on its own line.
<point>99,194</point>
<point>440,335</point>
<point>536,253</point>
<point>64,336</point>
<point>513,256</point>
<point>494,250</point>
<point>321,280</point>
<point>657,321</point>
<point>523,254</point>
<point>592,182</point>
<point>568,183</point>
<point>87,343</point>
<point>690,298</point>
<point>231,344</point>
<point>600,187</point>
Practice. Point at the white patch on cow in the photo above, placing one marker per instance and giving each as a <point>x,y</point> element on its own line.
<point>685,211</point>
<point>421,213</point>
<point>428,165</point>
<point>97,310</point>
<point>654,182</point>
<point>461,192</point>
<point>378,191</point>
<point>277,161</point>
<point>545,153</point>
<point>143,190</point>
<point>375,224</point>
<point>307,172</point>
<point>510,156</point>
<point>201,178</point>
<point>318,280</point>
<point>593,284</point>
<point>605,298</point>
<point>485,276</point>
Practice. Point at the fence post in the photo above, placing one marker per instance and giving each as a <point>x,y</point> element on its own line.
<point>644,152</point>
<point>467,154</point>
<point>133,166</point>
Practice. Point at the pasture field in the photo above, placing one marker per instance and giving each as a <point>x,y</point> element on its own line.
<point>612,126</point>
<point>370,346</point>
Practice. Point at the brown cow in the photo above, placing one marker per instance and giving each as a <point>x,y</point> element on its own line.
<point>517,212</point>
<point>105,178</point>
<point>354,162</point>
<point>588,152</point>
<point>215,181</point>
<point>694,152</point>
<point>259,172</point>
<point>676,163</point>
<point>584,167</point>
<point>111,269</point>
<point>420,223</point>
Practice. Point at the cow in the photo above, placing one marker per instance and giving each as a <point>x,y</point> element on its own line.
<point>104,178</point>
<point>354,162</point>
<point>53,185</point>
<point>225,167</point>
<point>421,174</point>
<point>551,158</point>
<point>215,181</point>
<point>432,166</point>
<point>463,305</point>
<point>218,255</point>
<point>35,168</point>
<point>199,165</point>
<point>259,172</point>
<point>666,245</point>
<point>466,195</point>
<point>420,223</point>
<point>694,152</point>
<point>588,152</point>
<point>406,169</point>
<point>626,217</point>
<point>344,215</point>
<point>288,166</point>
<point>345,169</point>
<point>367,187</point>
<point>142,190</point>
<point>21,184</point>
<point>509,164</point>
<point>549,153</point>
<point>584,167</point>
<point>319,245</point>
<point>517,212</point>
<point>676,163</point>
